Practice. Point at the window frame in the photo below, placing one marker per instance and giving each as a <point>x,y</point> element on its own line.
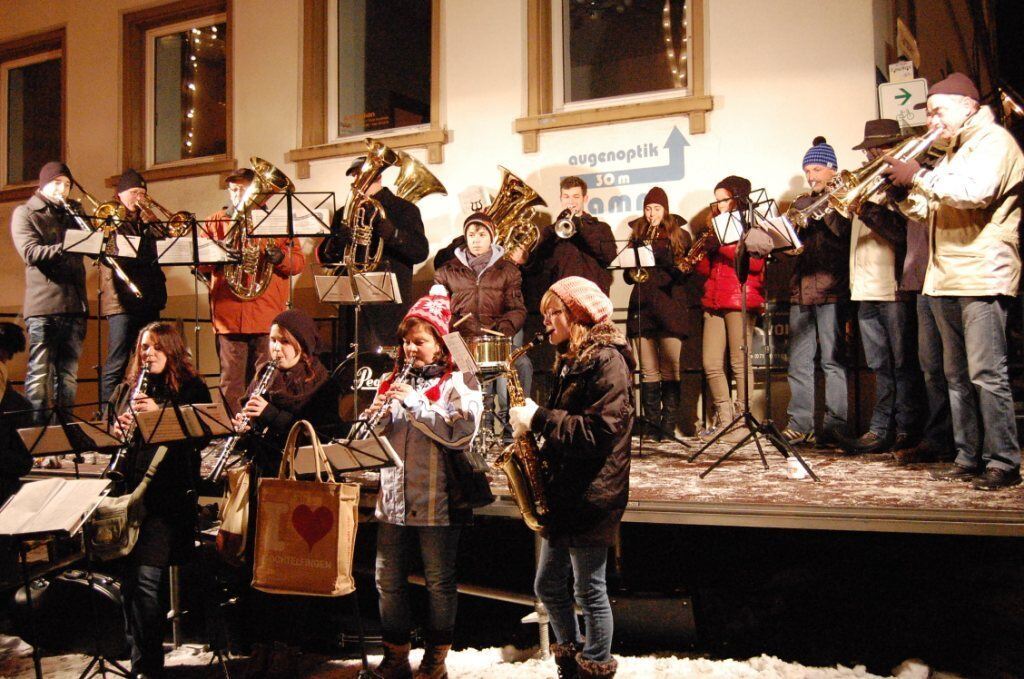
<point>542,113</point>
<point>24,51</point>
<point>315,120</point>
<point>135,28</point>
<point>152,35</point>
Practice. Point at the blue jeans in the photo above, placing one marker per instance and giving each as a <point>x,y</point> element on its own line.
<point>145,617</point>
<point>885,328</point>
<point>811,328</point>
<point>938,429</point>
<point>438,547</point>
<point>586,567</point>
<point>123,330</point>
<point>54,346</point>
<point>975,328</point>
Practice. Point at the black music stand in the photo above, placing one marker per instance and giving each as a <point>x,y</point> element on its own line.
<point>640,256</point>
<point>759,211</point>
<point>70,433</point>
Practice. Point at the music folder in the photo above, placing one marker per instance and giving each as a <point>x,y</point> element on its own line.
<point>374,287</point>
<point>90,243</point>
<point>197,421</point>
<point>51,505</point>
<point>350,455</point>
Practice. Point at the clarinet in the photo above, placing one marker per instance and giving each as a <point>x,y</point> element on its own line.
<point>378,415</point>
<point>229,445</point>
<point>115,470</point>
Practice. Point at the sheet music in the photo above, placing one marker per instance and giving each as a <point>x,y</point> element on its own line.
<point>53,440</point>
<point>728,227</point>
<point>375,287</point>
<point>348,456</point>
<point>172,251</point>
<point>91,243</point>
<point>631,258</point>
<point>51,505</point>
<point>305,222</point>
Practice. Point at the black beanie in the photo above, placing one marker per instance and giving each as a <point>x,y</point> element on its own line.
<point>301,326</point>
<point>51,171</point>
<point>130,179</point>
<point>736,186</point>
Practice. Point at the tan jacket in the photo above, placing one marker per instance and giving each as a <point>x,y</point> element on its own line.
<point>872,265</point>
<point>972,205</point>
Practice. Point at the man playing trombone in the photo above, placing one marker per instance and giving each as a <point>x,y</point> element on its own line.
<point>55,301</point>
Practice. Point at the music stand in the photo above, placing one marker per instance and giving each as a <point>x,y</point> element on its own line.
<point>640,256</point>
<point>758,211</point>
<point>72,433</point>
<point>355,290</point>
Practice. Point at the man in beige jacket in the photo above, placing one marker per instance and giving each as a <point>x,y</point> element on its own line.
<point>971,202</point>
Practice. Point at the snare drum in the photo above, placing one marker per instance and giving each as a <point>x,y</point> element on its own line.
<point>491,352</point>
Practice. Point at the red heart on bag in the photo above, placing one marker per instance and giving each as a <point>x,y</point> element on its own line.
<point>312,525</point>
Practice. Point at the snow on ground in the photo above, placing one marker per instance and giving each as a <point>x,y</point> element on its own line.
<point>192,661</point>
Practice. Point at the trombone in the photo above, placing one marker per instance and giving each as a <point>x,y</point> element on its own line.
<point>110,215</point>
<point>176,223</point>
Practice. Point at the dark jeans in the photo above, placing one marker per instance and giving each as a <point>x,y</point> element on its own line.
<point>122,330</point>
<point>973,331</point>
<point>239,355</point>
<point>51,375</point>
<point>938,429</point>
<point>886,329</point>
<point>437,546</point>
<point>586,567</point>
<point>145,616</point>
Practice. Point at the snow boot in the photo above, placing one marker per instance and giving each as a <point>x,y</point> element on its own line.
<point>670,408</point>
<point>723,416</point>
<point>395,664</point>
<point>432,666</point>
<point>650,398</point>
<point>565,660</point>
<point>592,669</point>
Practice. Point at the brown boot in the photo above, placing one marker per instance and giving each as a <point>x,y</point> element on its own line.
<point>592,669</point>
<point>565,660</point>
<point>432,665</point>
<point>395,664</point>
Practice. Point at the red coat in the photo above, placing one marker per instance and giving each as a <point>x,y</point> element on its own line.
<point>253,317</point>
<point>722,287</point>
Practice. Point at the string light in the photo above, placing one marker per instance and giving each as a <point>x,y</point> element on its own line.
<point>676,66</point>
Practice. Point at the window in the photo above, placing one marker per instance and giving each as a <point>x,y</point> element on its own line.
<point>369,68</point>
<point>31,110</point>
<point>176,90</point>
<point>376,88</point>
<point>592,62</point>
<point>187,69</point>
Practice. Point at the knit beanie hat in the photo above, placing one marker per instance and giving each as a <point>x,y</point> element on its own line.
<point>301,326</point>
<point>656,196</point>
<point>480,218</point>
<point>435,308</point>
<point>51,171</point>
<point>821,153</point>
<point>736,186</point>
<point>584,299</point>
<point>130,179</point>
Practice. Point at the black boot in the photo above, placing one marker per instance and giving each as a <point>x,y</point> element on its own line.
<point>565,660</point>
<point>669,408</point>
<point>650,398</point>
<point>592,669</point>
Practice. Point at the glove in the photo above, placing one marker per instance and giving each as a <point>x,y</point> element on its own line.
<point>759,243</point>
<point>901,172</point>
<point>385,229</point>
<point>520,417</point>
<point>897,194</point>
<point>274,254</point>
<point>871,213</point>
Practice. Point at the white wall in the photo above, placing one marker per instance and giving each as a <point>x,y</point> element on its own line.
<point>780,74</point>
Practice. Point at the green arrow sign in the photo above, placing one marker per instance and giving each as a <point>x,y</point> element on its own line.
<point>904,95</point>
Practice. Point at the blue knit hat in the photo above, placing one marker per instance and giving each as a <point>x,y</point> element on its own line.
<point>821,153</point>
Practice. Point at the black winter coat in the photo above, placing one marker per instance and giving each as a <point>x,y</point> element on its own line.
<point>659,306</point>
<point>168,531</point>
<point>495,298</point>
<point>15,461</point>
<point>54,281</point>
<point>588,254</point>
<point>822,271</point>
<point>585,430</point>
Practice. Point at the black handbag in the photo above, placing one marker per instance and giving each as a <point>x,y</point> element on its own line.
<point>468,486</point>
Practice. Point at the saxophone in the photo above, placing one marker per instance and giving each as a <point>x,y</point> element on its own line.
<point>520,461</point>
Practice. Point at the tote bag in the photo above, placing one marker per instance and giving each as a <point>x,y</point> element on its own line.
<point>234,516</point>
<point>305,530</point>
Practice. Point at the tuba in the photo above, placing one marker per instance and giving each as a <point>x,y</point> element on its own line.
<point>512,213</point>
<point>176,224</point>
<point>363,252</point>
<point>250,277</point>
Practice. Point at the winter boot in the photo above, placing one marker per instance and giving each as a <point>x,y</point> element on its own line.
<point>670,408</point>
<point>723,416</point>
<point>432,666</point>
<point>395,664</point>
<point>592,669</point>
<point>650,398</point>
<point>565,660</point>
<point>740,431</point>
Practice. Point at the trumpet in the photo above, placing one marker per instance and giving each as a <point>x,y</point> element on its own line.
<point>115,469</point>
<point>378,414</point>
<point>565,225</point>
<point>177,223</point>
<point>232,442</point>
<point>112,214</point>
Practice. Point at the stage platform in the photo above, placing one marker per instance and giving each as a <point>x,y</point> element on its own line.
<point>862,493</point>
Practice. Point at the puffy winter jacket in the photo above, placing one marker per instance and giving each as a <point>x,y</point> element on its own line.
<point>495,297</point>
<point>722,287</point>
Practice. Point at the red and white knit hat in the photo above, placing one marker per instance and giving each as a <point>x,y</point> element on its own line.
<point>435,308</point>
<point>585,301</point>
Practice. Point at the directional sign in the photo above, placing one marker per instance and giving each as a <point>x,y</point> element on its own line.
<point>671,171</point>
<point>897,101</point>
